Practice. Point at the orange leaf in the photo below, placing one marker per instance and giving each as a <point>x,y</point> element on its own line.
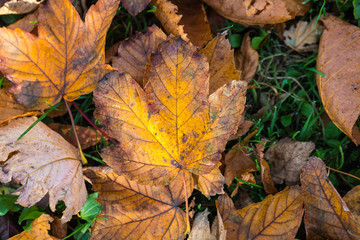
<point>171,125</point>
<point>135,6</point>
<point>276,217</point>
<point>67,58</point>
<point>326,214</point>
<point>338,60</point>
<point>210,184</point>
<point>352,198</point>
<point>266,179</point>
<point>133,211</point>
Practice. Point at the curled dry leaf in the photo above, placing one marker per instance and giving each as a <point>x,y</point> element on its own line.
<point>276,217</point>
<point>338,59</point>
<point>352,199</point>
<point>259,12</point>
<point>19,6</point>
<point>172,125</point>
<point>44,163</point>
<point>133,211</point>
<point>304,36</point>
<point>135,6</point>
<point>201,227</point>
<point>287,157</point>
<point>39,230</point>
<point>266,179</point>
<point>326,214</point>
<point>185,18</point>
<point>64,61</point>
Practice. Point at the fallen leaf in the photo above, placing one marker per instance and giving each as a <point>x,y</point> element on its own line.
<point>8,227</point>
<point>133,53</point>
<point>247,177</point>
<point>210,184</point>
<point>133,211</point>
<point>185,18</point>
<point>242,130</point>
<point>218,228</point>
<point>135,6</point>
<point>39,230</point>
<point>266,179</point>
<point>19,6</point>
<point>58,229</point>
<point>338,60</point>
<point>326,214</point>
<point>44,163</point>
<point>247,59</point>
<point>276,217</point>
<point>27,23</point>
<point>173,124</point>
<point>352,199</point>
<point>304,36</point>
<point>201,227</point>
<point>64,61</point>
<point>287,157</point>
<point>259,12</point>
<point>221,62</point>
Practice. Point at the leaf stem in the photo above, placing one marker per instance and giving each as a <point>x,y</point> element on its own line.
<point>187,206</point>
<point>348,174</point>
<point>83,159</point>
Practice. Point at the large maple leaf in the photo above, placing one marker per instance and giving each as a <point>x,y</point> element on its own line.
<point>67,58</point>
<point>171,125</point>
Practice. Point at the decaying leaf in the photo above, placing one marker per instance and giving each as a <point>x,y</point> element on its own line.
<point>64,61</point>
<point>8,227</point>
<point>338,59</point>
<point>210,184</point>
<point>135,6</point>
<point>326,214</point>
<point>218,228</point>
<point>19,6</point>
<point>242,130</point>
<point>59,229</point>
<point>276,217</point>
<point>352,199</point>
<point>304,36</point>
<point>173,125</point>
<point>133,211</point>
<point>39,230</point>
<point>201,227</point>
<point>259,12</point>
<point>44,163</point>
<point>133,53</point>
<point>266,179</point>
<point>27,23</point>
<point>221,62</point>
<point>185,18</point>
<point>287,157</point>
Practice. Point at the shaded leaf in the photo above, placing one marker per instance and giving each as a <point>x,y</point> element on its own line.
<point>8,227</point>
<point>326,214</point>
<point>338,60</point>
<point>44,163</point>
<point>352,199</point>
<point>133,211</point>
<point>276,217</point>
<point>19,6</point>
<point>6,203</point>
<point>135,6</point>
<point>58,229</point>
<point>201,227</point>
<point>67,58</point>
<point>27,23</point>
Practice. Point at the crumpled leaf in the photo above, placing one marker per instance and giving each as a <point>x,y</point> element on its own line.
<point>185,18</point>
<point>67,58</point>
<point>276,217</point>
<point>259,12</point>
<point>135,6</point>
<point>221,62</point>
<point>19,6</point>
<point>352,199</point>
<point>304,36</point>
<point>201,227</point>
<point>44,163</point>
<point>338,60</point>
<point>326,214</point>
<point>173,124</point>
<point>39,230</point>
<point>287,157</point>
<point>133,211</point>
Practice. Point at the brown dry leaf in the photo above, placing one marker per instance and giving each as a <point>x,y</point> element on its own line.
<point>243,129</point>
<point>88,137</point>
<point>19,6</point>
<point>276,217</point>
<point>135,6</point>
<point>173,125</point>
<point>218,228</point>
<point>58,229</point>
<point>133,53</point>
<point>259,12</point>
<point>326,214</point>
<point>338,59</point>
<point>247,177</point>
<point>266,179</point>
<point>201,227</point>
<point>221,62</point>
<point>352,199</point>
<point>133,211</point>
<point>67,58</point>
<point>27,23</point>
<point>9,107</point>
<point>304,36</point>
<point>287,157</point>
<point>210,184</point>
<point>247,59</point>
<point>44,163</point>
<point>185,18</point>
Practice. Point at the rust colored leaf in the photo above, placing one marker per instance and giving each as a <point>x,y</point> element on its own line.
<point>210,184</point>
<point>326,214</point>
<point>338,60</point>
<point>9,107</point>
<point>276,217</point>
<point>171,125</point>
<point>259,12</point>
<point>27,23</point>
<point>133,54</point>
<point>64,61</point>
<point>135,6</point>
<point>133,211</point>
<point>352,199</point>
<point>266,179</point>
<point>44,163</point>
<point>287,157</point>
<point>19,6</point>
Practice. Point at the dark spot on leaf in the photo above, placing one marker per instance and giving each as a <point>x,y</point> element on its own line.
<point>184,138</point>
